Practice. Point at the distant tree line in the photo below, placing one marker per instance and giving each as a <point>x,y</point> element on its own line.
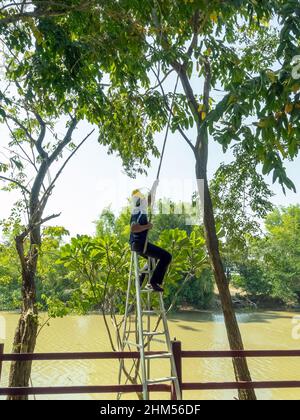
<point>266,268</point>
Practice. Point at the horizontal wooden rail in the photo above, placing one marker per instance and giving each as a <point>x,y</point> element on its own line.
<point>210,354</point>
<point>97,389</point>
<point>25,357</point>
<point>186,386</point>
<point>209,386</point>
<point>135,355</point>
<point>179,354</point>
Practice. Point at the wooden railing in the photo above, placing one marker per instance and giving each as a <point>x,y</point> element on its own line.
<point>179,355</point>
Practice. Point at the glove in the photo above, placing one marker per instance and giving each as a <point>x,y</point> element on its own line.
<point>153,193</point>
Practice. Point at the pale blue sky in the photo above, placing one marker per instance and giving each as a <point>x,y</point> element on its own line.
<point>94,180</point>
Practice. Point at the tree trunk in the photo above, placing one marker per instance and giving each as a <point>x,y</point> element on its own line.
<point>26,331</point>
<point>24,342</point>
<point>234,336</point>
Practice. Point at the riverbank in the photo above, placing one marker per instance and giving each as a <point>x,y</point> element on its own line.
<point>243,301</point>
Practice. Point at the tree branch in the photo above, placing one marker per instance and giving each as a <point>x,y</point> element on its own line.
<point>32,3</point>
<point>171,112</point>
<point>180,69</point>
<point>27,158</point>
<point>199,22</point>
<point>194,42</point>
<point>193,104</point>
<point>51,186</point>
<point>16,121</point>
<point>41,137</point>
<point>33,226</point>
<point>67,139</point>
<point>206,97</point>
<point>14,181</point>
<point>161,81</point>
<point>47,219</point>
<point>85,5</point>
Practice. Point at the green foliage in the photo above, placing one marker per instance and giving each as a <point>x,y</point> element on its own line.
<point>99,267</point>
<point>272,267</point>
<point>10,277</point>
<point>252,279</point>
<point>169,215</point>
<point>197,293</point>
<point>241,200</point>
<point>282,253</point>
<point>106,223</point>
<point>188,277</point>
<point>51,279</point>
<point>91,273</point>
<point>96,64</point>
<point>187,272</point>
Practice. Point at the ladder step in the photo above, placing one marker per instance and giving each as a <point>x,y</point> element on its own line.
<point>152,333</point>
<point>157,381</point>
<point>132,343</point>
<point>147,290</point>
<point>152,312</point>
<point>158,356</point>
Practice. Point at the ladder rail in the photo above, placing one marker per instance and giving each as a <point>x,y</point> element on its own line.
<point>140,327</point>
<point>122,362</point>
<point>169,345</point>
<point>127,301</point>
<point>149,318</point>
<point>144,337</point>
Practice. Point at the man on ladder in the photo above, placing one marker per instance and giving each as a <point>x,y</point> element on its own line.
<point>139,239</point>
<point>158,263</point>
<point>142,334</point>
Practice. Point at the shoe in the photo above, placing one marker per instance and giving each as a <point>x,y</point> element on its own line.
<point>156,287</point>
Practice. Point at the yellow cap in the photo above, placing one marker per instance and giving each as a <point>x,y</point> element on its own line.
<point>137,193</point>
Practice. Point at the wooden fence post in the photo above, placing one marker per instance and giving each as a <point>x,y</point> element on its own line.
<point>1,352</point>
<point>176,349</point>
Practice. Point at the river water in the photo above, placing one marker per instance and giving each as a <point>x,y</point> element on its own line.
<point>196,330</point>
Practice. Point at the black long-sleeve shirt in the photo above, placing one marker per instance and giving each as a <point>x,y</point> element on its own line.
<point>138,239</point>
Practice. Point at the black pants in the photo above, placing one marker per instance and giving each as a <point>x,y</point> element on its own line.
<point>163,257</point>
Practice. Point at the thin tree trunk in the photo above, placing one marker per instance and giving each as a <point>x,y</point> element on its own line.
<point>27,328</point>
<point>26,331</point>
<point>233,332</point>
<point>201,154</point>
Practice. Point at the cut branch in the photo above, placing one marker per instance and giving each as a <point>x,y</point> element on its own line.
<point>47,219</point>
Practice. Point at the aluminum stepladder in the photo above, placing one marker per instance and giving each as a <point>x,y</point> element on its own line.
<point>143,336</point>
